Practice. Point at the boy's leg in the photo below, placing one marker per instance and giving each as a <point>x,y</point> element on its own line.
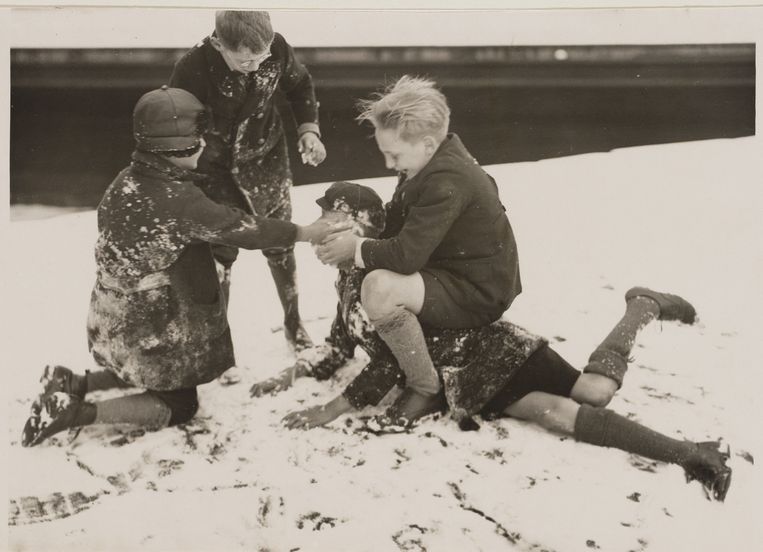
<point>224,256</point>
<point>610,358</point>
<point>61,411</point>
<point>283,268</point>
<point>151,409</point>
<point>392,302</point>
<point>603,427</point>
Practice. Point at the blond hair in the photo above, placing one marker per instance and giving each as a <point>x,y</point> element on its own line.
<point>412,106</point>
<point>250,29</point>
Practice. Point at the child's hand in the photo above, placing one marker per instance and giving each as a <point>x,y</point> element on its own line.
<point>279,383</point>
<point>316,232</point>
<point>312,149</point>
<point>317,415</point>
<point>337,248</point>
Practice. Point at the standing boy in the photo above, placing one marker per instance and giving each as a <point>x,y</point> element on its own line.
<point>236,72</point>
<point>157,318</point>
<point>447,257</point>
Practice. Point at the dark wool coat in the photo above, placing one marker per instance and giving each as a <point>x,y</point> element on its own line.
<point>246,156</point>
<point>449,220</point>
<point>157,317</point>
<point>474,363</point>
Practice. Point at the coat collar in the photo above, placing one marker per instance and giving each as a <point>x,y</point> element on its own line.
<point>154,165</point>
<point>451,148</point>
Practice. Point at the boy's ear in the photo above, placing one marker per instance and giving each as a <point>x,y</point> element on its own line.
<point>430,144</point>
<point>216,44</point>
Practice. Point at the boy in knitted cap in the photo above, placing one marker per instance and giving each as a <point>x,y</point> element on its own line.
<point>498,368</point>
<point>157,318</point>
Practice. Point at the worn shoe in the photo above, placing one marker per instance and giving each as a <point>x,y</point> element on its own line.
<point>412,405</point>
<point>708,466</point>
<point>59,411</point>
<point>672,307</point>
<point>57,379</point>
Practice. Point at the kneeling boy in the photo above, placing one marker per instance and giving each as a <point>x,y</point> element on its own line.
<point>157,318</point>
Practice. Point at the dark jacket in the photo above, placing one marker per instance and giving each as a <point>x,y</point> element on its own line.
<point>449,217</point>
<point>246,136</point>
<point>157,317</point>
<point>474,363</point>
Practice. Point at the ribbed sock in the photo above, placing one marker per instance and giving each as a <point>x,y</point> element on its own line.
<point>610,358</point>
<point>639,311</point>
<point>605,428</point>
<point>142,409</point>
<point>402,333</point>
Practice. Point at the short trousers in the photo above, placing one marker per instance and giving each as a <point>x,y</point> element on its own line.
<point>183,403</point>
<point>441,309</point>
<point>545,371</point>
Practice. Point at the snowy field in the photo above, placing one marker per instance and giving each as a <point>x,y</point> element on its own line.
<point>683,217</point>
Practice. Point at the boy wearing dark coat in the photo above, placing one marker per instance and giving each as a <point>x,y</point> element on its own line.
<point>496,369</point>
<point>157,318</point>
<point>237,72</point>
<point>447,257</point>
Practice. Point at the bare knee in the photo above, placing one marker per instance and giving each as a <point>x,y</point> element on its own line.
<point>551,412</point>
<point>378,293</point>
<point>594,389</point>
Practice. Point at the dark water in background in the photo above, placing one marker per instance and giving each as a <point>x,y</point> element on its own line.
<point>68,144</point>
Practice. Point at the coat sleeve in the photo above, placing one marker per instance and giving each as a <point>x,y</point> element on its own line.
<point>441,202</point>
<point>325,359</point>
<point>297,85</point>
<point>373,382</point>
<point>190,74</point>
<point>205,220</point>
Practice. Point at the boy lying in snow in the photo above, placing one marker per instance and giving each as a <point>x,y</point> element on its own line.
<point>496,369</point>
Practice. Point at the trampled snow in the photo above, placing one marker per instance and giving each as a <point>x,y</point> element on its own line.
<point>683,217</point>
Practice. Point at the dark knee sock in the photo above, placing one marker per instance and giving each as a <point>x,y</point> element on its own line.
<point>402,333</point>
<point>605,428</point>
<point>103,379</point>
<point>223,276</point>
<point>142,409</point>
<point>639,312</point>
<point>610,358</point>
<point>283,268</point>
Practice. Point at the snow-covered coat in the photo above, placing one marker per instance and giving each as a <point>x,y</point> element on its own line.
<point>157,316</point>
<point>448,220</point>
<point>474,363</point>
<point>246,158</point>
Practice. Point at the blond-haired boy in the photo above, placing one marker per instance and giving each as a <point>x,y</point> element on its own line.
<point>447,257</point>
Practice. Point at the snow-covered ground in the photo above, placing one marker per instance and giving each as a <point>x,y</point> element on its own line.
<point>680,217</point>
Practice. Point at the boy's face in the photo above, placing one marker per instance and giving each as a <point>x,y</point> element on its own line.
<point>190,162</point>
<point>404,156</point>
<point>242,60</point>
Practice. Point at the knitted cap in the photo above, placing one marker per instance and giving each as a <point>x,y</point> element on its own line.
<point>362,202</point>
<point>167,119</point>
